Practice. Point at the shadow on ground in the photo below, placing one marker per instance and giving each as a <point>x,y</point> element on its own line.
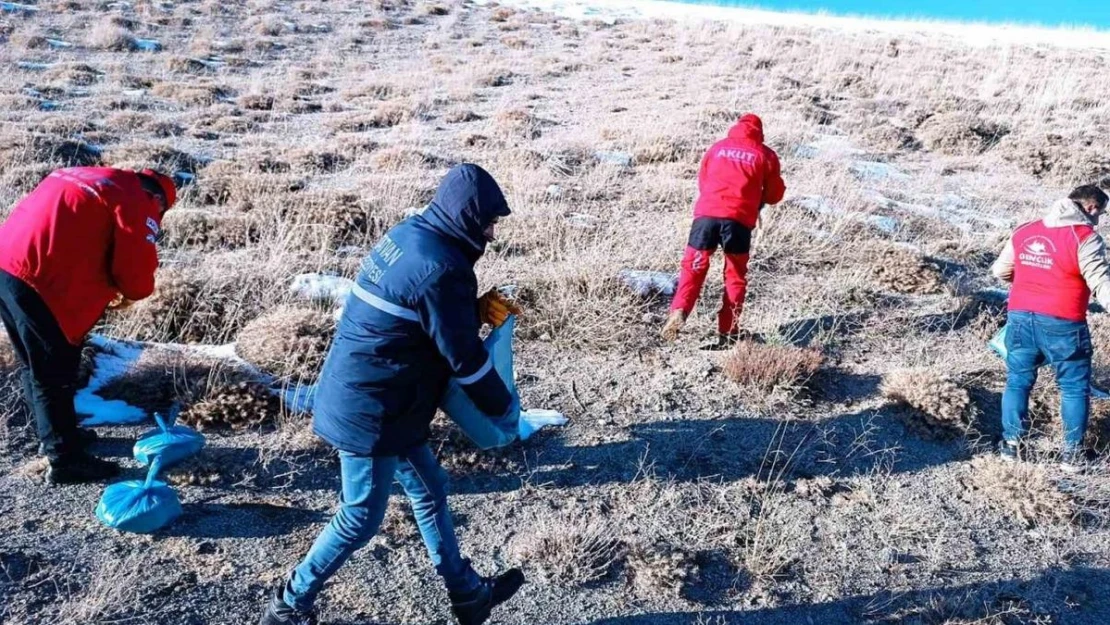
<point>1059,596</point>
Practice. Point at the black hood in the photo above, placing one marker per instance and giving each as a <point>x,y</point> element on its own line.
<point>467,202</point>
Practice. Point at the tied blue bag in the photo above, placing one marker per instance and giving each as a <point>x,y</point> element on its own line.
<point>140,507</point>
<point>168,442</point>
<point>485,432</point>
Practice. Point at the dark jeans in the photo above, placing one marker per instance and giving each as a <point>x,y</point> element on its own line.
<point>366,483</point>
<point>50,364</point>
<point>1032,341</point>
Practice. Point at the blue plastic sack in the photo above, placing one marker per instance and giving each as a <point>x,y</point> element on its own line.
<point>171,443</point>
<point>998,342</point>
<point>486,432</point>
<point>140,507</point>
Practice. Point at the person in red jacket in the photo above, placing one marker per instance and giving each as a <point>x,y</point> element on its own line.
<point>83,239</point>
<point>738,176</point>
<point>1055,265</point>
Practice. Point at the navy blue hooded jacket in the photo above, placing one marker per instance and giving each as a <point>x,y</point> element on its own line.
<point>411,323</point>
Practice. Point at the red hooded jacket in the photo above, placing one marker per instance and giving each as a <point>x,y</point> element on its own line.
<point>739,175</point>
<point>82,236</point>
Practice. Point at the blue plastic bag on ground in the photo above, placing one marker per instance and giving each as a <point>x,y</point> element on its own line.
<point>172,443</point>
<point>140,507</point>
<point>488,433</point>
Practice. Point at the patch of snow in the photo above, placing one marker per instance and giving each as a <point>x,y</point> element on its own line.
<point>819,205</point>
<point>621,159</point>
<point>33,66</point>
<point>115,359</point>
<point>584,221</point>
<point>58,43</point>
<point>554,190</point>
<point>17,7</point>
<point>148,45</point>
<point>952,210</point>
<point>829,146</point>
<point>647,283</point>
<point>874,170</point>
<point>322,287</point>
<point>972,33</point>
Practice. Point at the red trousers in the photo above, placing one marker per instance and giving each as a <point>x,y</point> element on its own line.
<point>706,235</point>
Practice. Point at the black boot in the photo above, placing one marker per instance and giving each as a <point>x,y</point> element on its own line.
<point>85,438</point>
<point>722,342</point>
<point>473,608</point>
<point>79,468</point>
<point>280,613</point>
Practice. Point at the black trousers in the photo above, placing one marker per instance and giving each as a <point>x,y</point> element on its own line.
<point>50,364</point>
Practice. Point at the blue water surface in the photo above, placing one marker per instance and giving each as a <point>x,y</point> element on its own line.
<point>1089,13</point>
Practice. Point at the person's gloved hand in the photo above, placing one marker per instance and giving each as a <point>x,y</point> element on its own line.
<point>494,308</point>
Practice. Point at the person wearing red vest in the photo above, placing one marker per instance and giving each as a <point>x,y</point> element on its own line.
<point>1055,265</point>
<point>81,240</point>
<point>738,176</point>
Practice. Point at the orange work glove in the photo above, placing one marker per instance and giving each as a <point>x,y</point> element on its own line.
<point>494,308</point>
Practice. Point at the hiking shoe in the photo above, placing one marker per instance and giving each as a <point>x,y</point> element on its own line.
<point>280,613</point>
<point>675,322</point>
<point>80,468</point>
<point>1008,450</point>
<point>474,608</point>
<point>1074,461</point>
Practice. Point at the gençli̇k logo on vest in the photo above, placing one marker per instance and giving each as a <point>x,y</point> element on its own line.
<point>1037,251</point>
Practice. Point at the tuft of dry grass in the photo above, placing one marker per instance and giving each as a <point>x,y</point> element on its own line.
<point>287,342</point>
<point>960,134</point>
<point>208,230</point>
<point>660,568</point>
<point>1022,489</point>
<point>765,367</point>
<point>941,406</point>
<point>904,271</point>
<point>572,550</point>
<point>111,37</point>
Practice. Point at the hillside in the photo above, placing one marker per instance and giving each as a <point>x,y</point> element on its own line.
<point>841,471</point>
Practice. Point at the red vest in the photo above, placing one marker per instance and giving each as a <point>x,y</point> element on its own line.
<point>1047,279</point>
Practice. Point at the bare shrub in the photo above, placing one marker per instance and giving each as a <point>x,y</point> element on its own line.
<point>502,14</point>
<point>461,116</point>
<point>660,568</point>
<point>210,467</point>
<point>432,8</point>
<point>663,150</point>
<point>941,405</point>
<point>8,360</point>
<point>257,102</point>
<point>386,115</point>
<point>960,134</point>
<point>1021,489</point>
<point>460,456</point>
<point>140,155</point>
<point>1068,159</point>
<point>108,36</point>
<point>207,230</point>
<point>905,271</point>
<point>287,342</point>
<point>22,149</point>
<point>571,549</point>
<point>765,367</point>
<point>192,94</point>
<point>243,405</point>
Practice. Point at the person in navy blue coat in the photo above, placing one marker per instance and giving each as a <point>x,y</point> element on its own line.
<point>410,324</point>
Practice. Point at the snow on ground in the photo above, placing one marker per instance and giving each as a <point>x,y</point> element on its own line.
<point>971,33</point>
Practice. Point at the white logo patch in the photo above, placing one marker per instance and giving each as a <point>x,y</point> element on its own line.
<point>1037,251</point>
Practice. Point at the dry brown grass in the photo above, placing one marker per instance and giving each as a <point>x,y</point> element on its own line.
<point>941,406</point>
<point>765,367</point>
<point>571,550</point>
<point>905,271</point>
<point>289,343</point>
<point>1023,490</point>
<point>660,569</point>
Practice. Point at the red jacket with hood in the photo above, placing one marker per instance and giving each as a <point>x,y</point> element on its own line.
<point>82,236</point>
<point>739,175</point>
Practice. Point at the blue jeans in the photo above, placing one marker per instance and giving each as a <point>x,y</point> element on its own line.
<point>366,483</point>
<point>1033,340</point>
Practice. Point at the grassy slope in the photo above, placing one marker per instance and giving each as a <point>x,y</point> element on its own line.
<point>676,495</point>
